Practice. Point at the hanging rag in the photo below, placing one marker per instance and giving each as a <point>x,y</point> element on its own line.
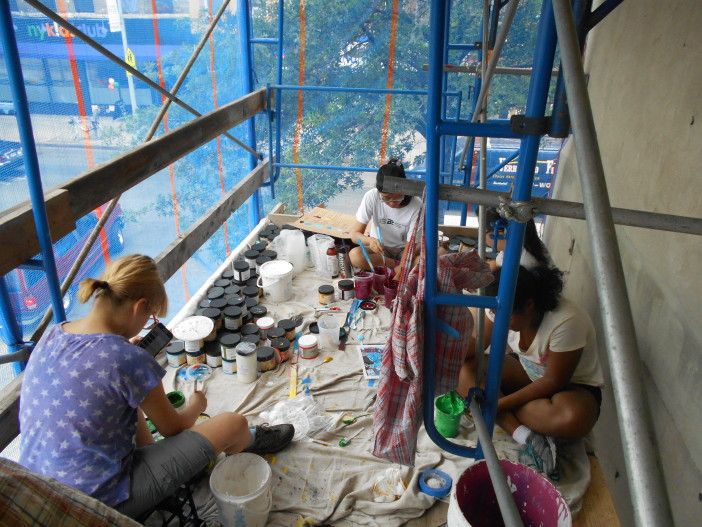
<point>398,409</point>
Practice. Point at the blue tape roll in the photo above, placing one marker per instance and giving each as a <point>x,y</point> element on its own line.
<point>437,477</point>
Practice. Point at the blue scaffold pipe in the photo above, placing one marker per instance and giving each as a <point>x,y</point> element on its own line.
<point>478,301</point>
<point>11,332</point>
<point>497,128</point>
<point>267,41</point>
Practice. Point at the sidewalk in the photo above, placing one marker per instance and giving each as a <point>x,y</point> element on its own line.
<point>58,130</point>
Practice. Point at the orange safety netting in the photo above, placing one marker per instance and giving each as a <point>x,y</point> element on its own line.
<point>390,80</point>
<point>298,123</point>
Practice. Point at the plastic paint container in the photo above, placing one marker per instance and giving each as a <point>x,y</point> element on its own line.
<point>368,306</point>
<point>250,329</point>
<point>282,346</point>
<point>275,333</point>
<point>215,292</point>
<point>192,331</point>
<point>390,292</point>
<point>251,291</point>
<point>269,254</point>
<point>346,291</point>
<point>288,324</point>
<point>232,317</point>
<point>175,353</point>
<point>228,366</point>
<point>326,294</point>
<point>251,339</point>
<point>205,302</point>
<point>242,271</point>
<point>381,275</point>
<point>448,409</point>
<point>250,257</point>
<point>237,301</point>
<point>215,315</point>
<point>213,355</point>
<point>218,303</point>
<point>265,356</point>
<point>308,346</point>
<point>258,311</point>
<point>363,284</point>
<point>264,324</point>
<point>232,290</point>
<point>222,282</point>
<point>246,362</point>
<point>195,357</point>
<point>176,398</point>
<point>259,246</point>
<point>227,345</point>
<point>228,273</point>
<point>328,332</point>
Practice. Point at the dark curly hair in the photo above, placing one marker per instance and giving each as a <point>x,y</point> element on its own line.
<point>532,242</point>
<point>543,285</point>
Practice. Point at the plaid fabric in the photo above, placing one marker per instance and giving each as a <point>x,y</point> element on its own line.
<point>398,409</point>
<point>29,499</point>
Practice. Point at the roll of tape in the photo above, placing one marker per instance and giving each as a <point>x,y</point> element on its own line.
<point>435,483</point>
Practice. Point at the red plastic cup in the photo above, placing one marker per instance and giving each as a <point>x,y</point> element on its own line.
<point>363,284</point>
<point>390,292</point>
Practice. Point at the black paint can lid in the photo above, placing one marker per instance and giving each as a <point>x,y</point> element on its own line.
<point>326,290</point>
<point>249,329</point>
<point>232,312</point>
<point>275,333</point>
<point>219,303</point>
<point>215,292</point>
<point>229,340</point>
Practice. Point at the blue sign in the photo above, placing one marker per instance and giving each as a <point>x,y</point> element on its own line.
<point>502,180</point>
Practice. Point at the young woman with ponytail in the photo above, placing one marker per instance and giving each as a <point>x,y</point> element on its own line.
<point>87,387</point>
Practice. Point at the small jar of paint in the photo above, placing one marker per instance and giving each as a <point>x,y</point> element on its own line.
<point>260,261</point>
<point>237,301</point>
<point>176,398</point>
<point>253,281</point>
<point>326,294</point>
<point>346,290</point>
<point>251,339</point>
<point>213,356</point>
<point>282,346</point>
<point>175,353</point>
<point>269,254</point>
<point>250,329</point>
<point>195,357</point>
<point>228,273</point>
<point>288,324</point>
<point>250,257</point>
<point>227,345</point>
<point>363,284</point>
<point>205,302</point>
<point>215,292</point>
<point>242,271</point>
<point>232,290</point>
<point>228,366</point>
<point>215,315</point>
<point>275,333</point>
<point>232,317</point>
<point>258,311</point>
<point>222,282</point>
<point>246,362</point>
<point>265,356</point>
<point>308,346</point>
<point>251,291</point>
<point>218,303</point>
<point>259,246</point>
<point>264,324</point>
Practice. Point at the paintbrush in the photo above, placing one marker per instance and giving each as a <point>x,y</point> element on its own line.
<point>380,239</point>
<point>365,254</point>
<point>347,323</point>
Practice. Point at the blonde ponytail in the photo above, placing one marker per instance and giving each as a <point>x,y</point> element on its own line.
<point>129,278</point>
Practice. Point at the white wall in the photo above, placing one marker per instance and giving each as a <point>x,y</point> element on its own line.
<point>645,82</point>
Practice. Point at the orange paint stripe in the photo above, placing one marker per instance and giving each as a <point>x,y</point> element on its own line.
<point>300,98</point>
<point>390,80</point>
<point>84,123</point>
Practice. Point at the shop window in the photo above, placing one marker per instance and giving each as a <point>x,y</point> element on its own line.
<point>59,71</point>
<point>33,71</point>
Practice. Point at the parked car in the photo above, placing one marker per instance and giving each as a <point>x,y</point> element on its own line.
<point>11,160</point>
<point>29,291</point>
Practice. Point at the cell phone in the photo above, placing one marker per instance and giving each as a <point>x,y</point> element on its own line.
<point>156,339</point>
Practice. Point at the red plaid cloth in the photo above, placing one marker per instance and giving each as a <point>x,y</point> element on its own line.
<point>398,408</point>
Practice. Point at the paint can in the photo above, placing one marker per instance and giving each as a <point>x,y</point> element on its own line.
<point>176,398</point>
<point>195,357</point>
<point>175,353</point>
<point>265,356</point>
<point>228,366</point>
<point>390,292</point>
<point>215,315</point>
<point>228,273</point>
<point>268,253</point>
<point>288,324</point>
<point>308,346</point>
<point>250,329</point>
<point>326,294</point>
<point>237,301</point>
<point>448,409</point>
<point>246,362</point>
<point>232,290</point>
<point>227,345</point>
<point>251,291</point>
<point>215,292</point>
<point>260,261</point>
<point>346,290</point>
<point>251,339</point>
<point>282,346</point>
<point>259,246</point>
<point>264,324</point>
<point>275,333</point>
<point>250,257</point>
<point>213,355</point>
<point>242,271</point>
<point>382,275</point>
<point>363,284</point>
<point>232,317</point>
<point>218,303</point>
<point>192,331</point>
<point>258,311</point>
<point>276,280</point>
<point>369,306</point>
<point>222,282</point>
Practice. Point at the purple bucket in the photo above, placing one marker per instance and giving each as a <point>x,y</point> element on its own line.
<point>363,284</point>
<point>539,502</point>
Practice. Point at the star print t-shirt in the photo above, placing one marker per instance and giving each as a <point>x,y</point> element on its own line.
<point>78,414</point>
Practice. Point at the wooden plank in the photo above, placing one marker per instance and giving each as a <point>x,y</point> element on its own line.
<point>181,249</point>
<point>100,185</point>
<point>9,411</point>
<point>598,507</point>
<point>18,237</point>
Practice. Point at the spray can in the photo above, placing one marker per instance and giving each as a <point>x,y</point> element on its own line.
<point>345,267</point>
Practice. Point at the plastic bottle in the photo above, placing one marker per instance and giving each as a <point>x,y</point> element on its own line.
<point>332,261</point>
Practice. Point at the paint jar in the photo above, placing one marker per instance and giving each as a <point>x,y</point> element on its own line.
<point>176,398</point>
<point>227,345</point>
<point>346,291</point>
<point>242,271</point>
<point>175,353</point>
<point>258,311</point>
<point>265,356</point>
<point>448,410</point>
<point>195,357</point>
<point>251,339</point>
<point>250,303</point>
<point>218,303</point>
<point>232,317</point>
<point>192,331</point>
<point>288,324</point>
<point>213,355</point>
<point>250,329</point>
<point>381,275</point>
<point>260,261</point>
<point>264,324</point>
<point>251,291</point>
<point>326,294</point>
<point>363,284</point>
<point>215,292</point>
<point>240,285</point>
<point>270,254</point>
<point>282,346</point>
<point>232,290</point>
<point>205,302</point>
<point>308,346</point>
<point>369,306</point>
<point>215,315</point>
<point>222,282</point>
<point>328,332</point>
<point>246,362</point>
<point>253,281</point>
<point>275,333</point>
<point>228,366</point>
<point>237,301</point>
<point>228,273</point>
<point>250,257</point>
<point>259,246</point>
<point>390,292</point>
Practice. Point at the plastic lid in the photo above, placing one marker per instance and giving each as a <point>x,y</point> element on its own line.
<point>228,273</point>
<point>281,344</point>
<point>241,265</point>
<point>232,290</point>
<point>245,349</point>
<point>253,281</point>
<point>262,259</point>
<point>288,324</point>
<point>218,303</point>
<point>232,312</point>
<point>212,349</point>
<point>211,312</point>
<point>326,290</point>
<point>251,290</point>
<point>175,347</point>
<point>235,300</point>
<point>249,329</point>
<point>307,341</point>
<point>270,254</point>
<point>193,328</point>
<point>258,310</point>
<point>221,283</point>
<point>345,284</point>
<point>265,322</point>
<point>252,339</point>
<point>265,353</point>
<point>251,254</point>
<point>250,303</point>
<point>259,246</point>
<point>205,302</point>
<point>276,333</point>
<point>229,340</point>
<point>215,292</point>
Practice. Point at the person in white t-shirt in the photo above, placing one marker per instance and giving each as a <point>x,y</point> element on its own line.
<point>395,214</point>
<point>551,378</point>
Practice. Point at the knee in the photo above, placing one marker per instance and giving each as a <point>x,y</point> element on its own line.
<point>356,257</point>
<point>236,423</point>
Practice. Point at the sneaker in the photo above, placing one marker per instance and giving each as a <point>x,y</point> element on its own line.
<point>271,439</point>
<point>539,452</point>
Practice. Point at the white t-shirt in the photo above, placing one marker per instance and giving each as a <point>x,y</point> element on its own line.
<point>526,260</point>
<point>395,224</point>
<point>566,328</point>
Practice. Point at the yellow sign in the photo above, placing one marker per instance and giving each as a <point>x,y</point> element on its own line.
<point>130,59</point>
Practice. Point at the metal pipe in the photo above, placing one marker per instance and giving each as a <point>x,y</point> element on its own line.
<point>349,168</point>
<point>551,207</point>
<point>31,162</point>
<point>505,499</point>
<point>11,332</point>
<point>36,4</point>
<point>646,483</point>
<point>268,41</point>
<point>494,128</point>
<point>342,89</point>
<point>604,9</point>
<point>479,301</point>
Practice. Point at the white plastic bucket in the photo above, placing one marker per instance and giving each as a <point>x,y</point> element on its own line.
<point>242,487</point>
<point>276,280</point>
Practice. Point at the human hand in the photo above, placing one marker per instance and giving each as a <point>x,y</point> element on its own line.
<point>199,401</point>
<point>373,245</point>
<point>136,340</point>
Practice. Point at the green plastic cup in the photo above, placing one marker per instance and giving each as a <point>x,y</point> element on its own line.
<point>176,398</point>
<point>448,409</point>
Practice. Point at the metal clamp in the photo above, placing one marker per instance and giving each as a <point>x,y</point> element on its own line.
<point>519,211</point>
<point>524,125</point>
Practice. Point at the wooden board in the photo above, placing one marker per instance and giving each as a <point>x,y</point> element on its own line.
<point>598,507</point>
<point>324,221</point>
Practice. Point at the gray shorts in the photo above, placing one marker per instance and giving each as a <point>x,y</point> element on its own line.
<point>159,469</point>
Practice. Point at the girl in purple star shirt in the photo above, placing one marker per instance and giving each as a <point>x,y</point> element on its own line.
<point>87,387</point>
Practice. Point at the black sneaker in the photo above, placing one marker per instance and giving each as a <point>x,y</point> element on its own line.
<point>271,439</point>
